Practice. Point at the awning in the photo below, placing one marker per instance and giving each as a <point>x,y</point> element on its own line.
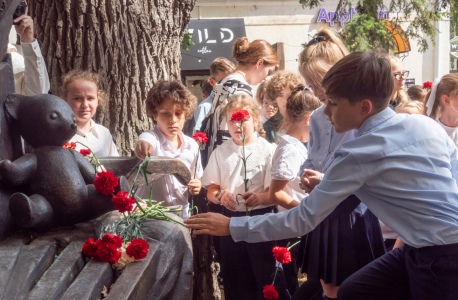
<point>401,41</point>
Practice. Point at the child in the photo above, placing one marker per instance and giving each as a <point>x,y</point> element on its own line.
<point>403,167</point>
<point>169,104</point>
<point>219,69</point>
<point>411,107</point>
<point>268,108</point>
<point>323,255</point>
<point>442,104</point>
<point>246,268</point>
<point>284,190</point>
<point>278,90</point>
<point>81,90</point>
<point>418,93</point>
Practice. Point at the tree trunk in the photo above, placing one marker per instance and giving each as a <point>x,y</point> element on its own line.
<point>131,44</point>
<point>206,269</point>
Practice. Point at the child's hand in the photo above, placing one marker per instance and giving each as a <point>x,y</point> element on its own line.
<point>142,149</point>
<point>309,180</point>
<point>228,200</point>
<point>253,199</point>
<point>194,186</point>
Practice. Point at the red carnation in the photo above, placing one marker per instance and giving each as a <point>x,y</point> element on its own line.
<point>85,152</point>
<point>240,115</point>
<point>282,255</point>
<point>90,248</point>
<point>112,241</point>
<point>106,254</point>
<point>270,292</point>
<point>105,183</point>
<point>200,137</point>
<point>122,202</point>
<point>69,146</point>
<point>427,85</point>
<point>137,249</point>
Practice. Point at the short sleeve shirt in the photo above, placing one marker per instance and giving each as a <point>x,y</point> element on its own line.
<point>286,165</point>
<point>225,168</point>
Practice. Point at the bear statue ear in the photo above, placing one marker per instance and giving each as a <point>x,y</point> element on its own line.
<point>12,104</point>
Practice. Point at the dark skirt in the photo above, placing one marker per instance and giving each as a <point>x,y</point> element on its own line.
<point>347,240</point>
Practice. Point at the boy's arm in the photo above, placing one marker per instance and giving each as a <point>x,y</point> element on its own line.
<point>342,179</point>
<point>453,158</point>
<point>211,193</point>
<point>145,145</point>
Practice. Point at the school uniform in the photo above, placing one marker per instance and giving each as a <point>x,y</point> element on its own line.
<point>168,189</point>
<point>404,168</point>
<point>286,165</point>
<point>98,138</point>
<point>452,132</point>
<point>246,268</point>
<point>350,237</point>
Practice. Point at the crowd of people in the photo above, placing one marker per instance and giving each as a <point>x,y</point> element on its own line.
<point>342,160</point>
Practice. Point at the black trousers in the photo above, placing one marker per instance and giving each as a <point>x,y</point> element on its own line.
<point>290,269</point>
<point>248,267</point>
<point>426,273</point>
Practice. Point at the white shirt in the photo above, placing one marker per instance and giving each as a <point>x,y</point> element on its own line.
<point>98,138</point>
<point>225,168</point>
<point>168,188</point>
<point>29,69</point>
<point>286,165</point>
<point>452,132</point>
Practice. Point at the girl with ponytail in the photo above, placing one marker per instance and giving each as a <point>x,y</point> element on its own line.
<point>350,237</point>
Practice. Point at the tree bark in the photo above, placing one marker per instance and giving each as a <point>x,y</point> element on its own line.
<point>131,44</point>
<point>206,269</point>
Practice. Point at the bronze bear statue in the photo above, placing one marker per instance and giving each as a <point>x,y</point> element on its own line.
<point>56,183</point>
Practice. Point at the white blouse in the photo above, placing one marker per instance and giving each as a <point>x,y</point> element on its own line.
<point>98,138</point>
<point>168,188</point>
<point>452,132</point>
<point>225,168</point>
<point>286,165</point>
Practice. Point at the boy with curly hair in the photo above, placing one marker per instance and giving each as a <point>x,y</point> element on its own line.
<point>278,89</point>
<point>169,104</point>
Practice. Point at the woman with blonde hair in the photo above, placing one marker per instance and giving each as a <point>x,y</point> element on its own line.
<point>399,78</point>
<point>255,61</point>
<point>350,237</point>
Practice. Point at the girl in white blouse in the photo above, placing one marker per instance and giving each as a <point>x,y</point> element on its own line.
<point>82,92</point>
<point>246,268</point>
<point>291,153</point>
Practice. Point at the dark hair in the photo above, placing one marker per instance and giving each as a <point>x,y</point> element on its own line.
<point>170,90</point>
<point>246,53</point>
<point>206,87</point>
<point>361,75</point>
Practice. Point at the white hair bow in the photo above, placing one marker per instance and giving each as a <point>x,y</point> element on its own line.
<point>432,97</point>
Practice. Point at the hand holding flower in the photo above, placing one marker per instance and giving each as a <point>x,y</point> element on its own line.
<point>255,199</point>
<point>194,186</point>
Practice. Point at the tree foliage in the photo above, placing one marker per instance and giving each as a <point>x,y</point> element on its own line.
<point>365,31</point>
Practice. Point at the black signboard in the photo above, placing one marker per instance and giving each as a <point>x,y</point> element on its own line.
<point>212,38</point>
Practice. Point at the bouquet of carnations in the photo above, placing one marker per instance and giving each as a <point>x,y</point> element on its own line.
<point>123,242</point>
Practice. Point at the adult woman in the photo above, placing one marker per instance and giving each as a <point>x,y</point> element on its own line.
<point>399,78</point>
<point>255,61</point>
<point>350,237</point>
